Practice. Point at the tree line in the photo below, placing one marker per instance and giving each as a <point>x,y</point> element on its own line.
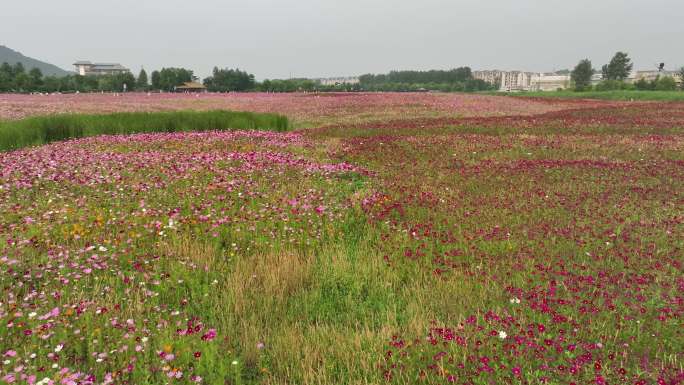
<point>458,79</point>
<point>15,78</point>
<point>614,76</point>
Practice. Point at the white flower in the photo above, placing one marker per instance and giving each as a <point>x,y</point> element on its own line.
<point>32,314</point>
<point>503,335</point>
<point>515,300</point>
<point>44,381</point>
<point>234,362</point>
<point>102,249</point>
<point>59,348</point>
<point>6,362</point>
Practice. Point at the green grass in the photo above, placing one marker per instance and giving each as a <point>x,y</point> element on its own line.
<point>603,95</point>
<point>40,130</point>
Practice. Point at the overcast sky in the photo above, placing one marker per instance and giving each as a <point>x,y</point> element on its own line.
<point>316,38</point>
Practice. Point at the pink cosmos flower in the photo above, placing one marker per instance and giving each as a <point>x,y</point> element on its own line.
<point>209,335</point>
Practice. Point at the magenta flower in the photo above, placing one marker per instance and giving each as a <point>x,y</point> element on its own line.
<point>209,335</point>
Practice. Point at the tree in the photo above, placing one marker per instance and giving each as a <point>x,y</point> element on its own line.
<point>22,82</point>
<point>681,78</point>
<point>169,78</point>
<point>18,69</point>
<point>156,80</point>
<point>665,83</point>
<point>619,67</point>
<point>36,79</point>
<point>226,80</point>
<point>141,83</point>
<point>581,75</point>
<point>643,85</point>
<point>458,79</point>
<point>6,77</point>
<point>52,84</point>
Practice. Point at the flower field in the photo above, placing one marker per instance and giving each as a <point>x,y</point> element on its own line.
<point>389,238</point>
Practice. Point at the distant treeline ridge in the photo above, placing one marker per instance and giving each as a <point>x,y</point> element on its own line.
<point>15,78</point>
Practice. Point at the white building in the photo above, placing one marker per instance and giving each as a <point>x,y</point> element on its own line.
<point>86,68</point>
<point>528,81</point>
<point>336,81</point>
<point>516,81</point>
<point>489,76</point>
<point>596,79</point>
<point>549,82</point>
<point>523,81</point>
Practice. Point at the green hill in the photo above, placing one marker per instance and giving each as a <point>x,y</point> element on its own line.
<point>11,56</point>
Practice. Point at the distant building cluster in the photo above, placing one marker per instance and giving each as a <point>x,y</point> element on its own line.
<point>511,81</point>
<point>336,81</point>
<point>86,68</point>
<point>524,81</point>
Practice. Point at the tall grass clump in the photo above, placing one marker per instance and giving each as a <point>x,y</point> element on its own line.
<point>40,130</point>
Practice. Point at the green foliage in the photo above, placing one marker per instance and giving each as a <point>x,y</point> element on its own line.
<point>294,85</point>
<point>613,85</point>
<point>226,80</point>
<point>156,80</point>
<point>45,129</point>
<point>141,83</point>
<point>665,83</point>
<point>643,85</point>
<point>35,78</point>
<point>618,68</point>
<point>681,78</point>
<point>581,75</point>
<point>16,79</point>
<point>455,80</point>
<point>169,78</point>
<point>117,82</point>
<point>457,75</point>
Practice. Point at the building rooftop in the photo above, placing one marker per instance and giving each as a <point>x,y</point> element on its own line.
<point>191,85</point>
<point>108,66</point>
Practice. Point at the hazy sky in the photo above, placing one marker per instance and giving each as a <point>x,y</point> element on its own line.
<point>311,38</point>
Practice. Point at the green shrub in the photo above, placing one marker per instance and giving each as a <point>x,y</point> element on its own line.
<point>666,83</point>
<point>45,129</point>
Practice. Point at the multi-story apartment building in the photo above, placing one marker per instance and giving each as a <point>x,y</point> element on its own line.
<point>549,82</point>
<point>523,81</point>
<point>529,81</point>
<point>489,76</point>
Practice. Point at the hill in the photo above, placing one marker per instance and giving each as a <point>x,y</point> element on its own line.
<point>11,56</point>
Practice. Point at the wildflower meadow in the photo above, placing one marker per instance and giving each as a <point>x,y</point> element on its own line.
<point>389,238</point>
